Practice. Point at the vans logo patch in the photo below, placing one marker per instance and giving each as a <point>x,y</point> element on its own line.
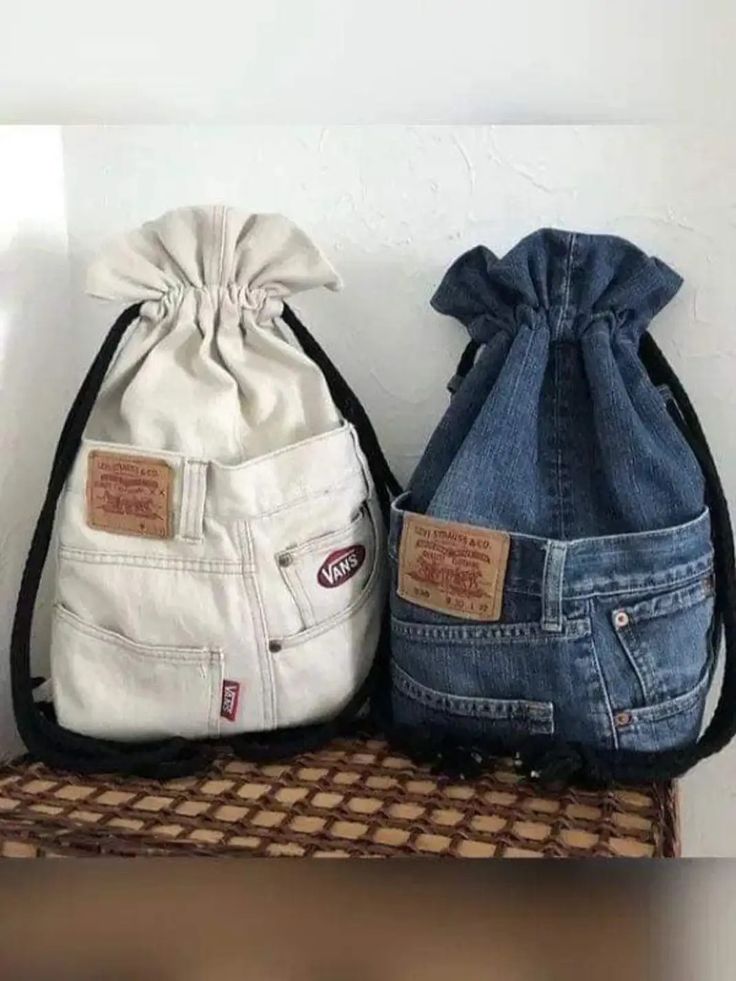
<point>230,698</point>
<point>341,565</point>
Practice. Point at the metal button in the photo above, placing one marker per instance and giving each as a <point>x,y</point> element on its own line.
<point>285,560</point>
<point>274,646</point>
<point>622,719</point>
<point>621,618</point>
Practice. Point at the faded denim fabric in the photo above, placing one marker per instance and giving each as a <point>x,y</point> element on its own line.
<point>558,437</point>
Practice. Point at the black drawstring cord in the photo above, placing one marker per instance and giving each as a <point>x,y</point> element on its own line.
<point>466,362</point>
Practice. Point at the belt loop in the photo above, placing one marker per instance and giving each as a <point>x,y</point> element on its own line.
<point>553,579</point>
<point>191,507</point>
<point>364,468</point>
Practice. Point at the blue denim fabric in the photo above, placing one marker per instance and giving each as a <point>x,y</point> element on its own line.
<point>558,436</point>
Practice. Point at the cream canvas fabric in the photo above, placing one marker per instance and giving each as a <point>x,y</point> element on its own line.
<point>221,556</point>
<point>207,371</point>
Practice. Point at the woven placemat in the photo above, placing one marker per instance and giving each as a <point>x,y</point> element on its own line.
<point>354,799</point>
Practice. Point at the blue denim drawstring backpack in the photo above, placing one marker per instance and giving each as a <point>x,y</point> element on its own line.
<point>562,560</point>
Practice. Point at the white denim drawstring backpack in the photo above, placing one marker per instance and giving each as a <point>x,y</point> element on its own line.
<point>220,540</point>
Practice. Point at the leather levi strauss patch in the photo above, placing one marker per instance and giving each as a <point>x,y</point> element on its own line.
<point>452,568</point>
<point>129,495</point>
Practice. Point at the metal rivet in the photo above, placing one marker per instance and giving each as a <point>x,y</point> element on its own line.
<point>622,719</point>
<point>285,560</point>
<point>621,618</point>
<point>274,646</point>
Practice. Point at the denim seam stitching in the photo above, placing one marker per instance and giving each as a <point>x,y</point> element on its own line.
<point>346,479</point>
<point>303,636</point>
<point>160,652</point>
<point>696,593</point>
<point>173,564</point>
<point>553,579</point>
<point>559,467</point>
<point>538,712</point>
<point>533,589</point>
<point>648,586</point>
<point>251,589</point>
<point>647,685</point>
<point>500,634</point>
<point>673,706</point>
<point>604,688</point>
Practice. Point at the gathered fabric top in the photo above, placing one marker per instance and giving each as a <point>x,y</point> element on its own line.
<point>564,281</point>
<point>207,368</point>
<point>207,256</point>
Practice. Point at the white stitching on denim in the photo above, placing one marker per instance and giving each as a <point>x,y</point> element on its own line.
<point>191,516</point>
<point>165,563</point>
<point>367,478</point>
<point>333,488</point>
<point>303,636</point>
<point>186,492</point>
<point>217,662</point>
<point>200,499</point>
<point>251,588</point>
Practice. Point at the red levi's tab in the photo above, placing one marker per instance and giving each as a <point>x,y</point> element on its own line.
<point>230,698</point>
<point>341,565</point>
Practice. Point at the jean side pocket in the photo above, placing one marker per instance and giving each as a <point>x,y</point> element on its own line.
<point>667,639</point>
<point>666,725</point>
<point>327,576</point>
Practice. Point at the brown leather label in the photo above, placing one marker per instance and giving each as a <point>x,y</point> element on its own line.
<point>452,568</point>
<point>128,495</point>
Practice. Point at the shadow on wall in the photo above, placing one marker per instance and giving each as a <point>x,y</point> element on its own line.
<point>38,376</point>
<point>395,352</point>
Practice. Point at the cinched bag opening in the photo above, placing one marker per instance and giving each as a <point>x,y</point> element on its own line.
<point>562,561</point>
<point>209,470</point>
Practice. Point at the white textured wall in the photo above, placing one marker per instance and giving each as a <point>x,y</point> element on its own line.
<point>35,354</point>
<point>393,207</point>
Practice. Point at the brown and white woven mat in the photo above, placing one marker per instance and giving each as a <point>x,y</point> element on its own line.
<point>353,799</point>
